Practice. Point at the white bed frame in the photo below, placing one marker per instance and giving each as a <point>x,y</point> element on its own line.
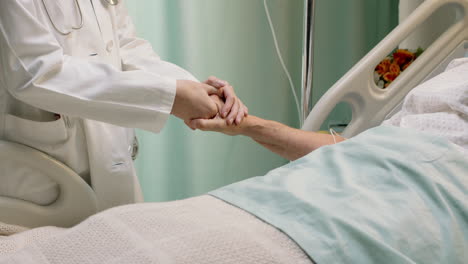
<point>370,105</point>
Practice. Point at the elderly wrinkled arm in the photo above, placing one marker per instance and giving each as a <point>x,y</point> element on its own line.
<point>285,141</point>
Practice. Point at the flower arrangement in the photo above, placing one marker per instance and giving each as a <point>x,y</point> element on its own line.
<point>391,67</point>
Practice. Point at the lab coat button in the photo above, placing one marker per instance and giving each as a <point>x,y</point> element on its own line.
<point>110,46</point>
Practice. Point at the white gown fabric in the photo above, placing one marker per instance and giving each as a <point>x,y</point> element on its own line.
<point>439,106</point>
<point>198,230</point>
<point>75,97</point>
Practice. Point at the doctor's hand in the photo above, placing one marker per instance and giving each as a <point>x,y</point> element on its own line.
<point>233,110</point>
<point>193,100</point>
<point>216,124</point>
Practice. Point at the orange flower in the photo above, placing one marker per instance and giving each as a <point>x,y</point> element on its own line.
<point>394,68</point>
<point>406,65</point>
<point>390,77</point>
<point>402,56</point>
<point>383,67</point>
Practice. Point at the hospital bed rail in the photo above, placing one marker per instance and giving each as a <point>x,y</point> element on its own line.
<point>370,105</point>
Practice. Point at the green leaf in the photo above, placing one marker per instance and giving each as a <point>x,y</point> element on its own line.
<point>418,52</point>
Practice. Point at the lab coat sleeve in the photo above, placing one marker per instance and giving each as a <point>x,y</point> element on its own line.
<point>35,70</point>
<point>138,54</point>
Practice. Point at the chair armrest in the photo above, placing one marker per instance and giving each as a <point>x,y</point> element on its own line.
<point>76,200</point>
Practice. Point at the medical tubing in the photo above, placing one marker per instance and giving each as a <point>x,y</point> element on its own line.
<point>278,52</point>
<point>333,133</point>
<point>73,27</point>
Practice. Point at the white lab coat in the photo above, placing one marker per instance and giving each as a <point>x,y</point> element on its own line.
<point>102,80</point>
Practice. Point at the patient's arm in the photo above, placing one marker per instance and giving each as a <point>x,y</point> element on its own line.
<point>285,141</point>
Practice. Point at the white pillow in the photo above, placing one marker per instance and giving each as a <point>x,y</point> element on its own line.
<point>439,106</point>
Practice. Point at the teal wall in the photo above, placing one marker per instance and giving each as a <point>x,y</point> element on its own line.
<point>232,40</point>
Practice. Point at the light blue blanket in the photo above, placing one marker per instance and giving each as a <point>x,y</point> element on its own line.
<point>389,195</point>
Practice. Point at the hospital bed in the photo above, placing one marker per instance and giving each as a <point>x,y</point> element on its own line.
<point>370,105</point>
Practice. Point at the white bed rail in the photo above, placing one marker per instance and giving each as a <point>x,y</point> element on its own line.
<point>75,202</point>
<point>371,104</point>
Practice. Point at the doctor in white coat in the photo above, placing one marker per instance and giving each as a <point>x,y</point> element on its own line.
<point>75,80</point>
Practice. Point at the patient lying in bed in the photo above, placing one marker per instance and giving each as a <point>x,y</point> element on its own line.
<point>393,194</point>
<point>438,107</point>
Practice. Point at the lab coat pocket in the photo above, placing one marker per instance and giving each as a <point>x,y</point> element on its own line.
<point>35,133</point>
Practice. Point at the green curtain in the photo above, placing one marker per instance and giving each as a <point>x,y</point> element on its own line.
<point>231,40</point>
<point>345,31</point>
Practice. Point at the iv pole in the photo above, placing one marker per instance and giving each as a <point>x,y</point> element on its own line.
<point>308,56</point>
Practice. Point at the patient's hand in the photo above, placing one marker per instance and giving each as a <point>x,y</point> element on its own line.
<point>285,141</point>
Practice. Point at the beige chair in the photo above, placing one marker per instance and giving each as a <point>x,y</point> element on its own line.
<point>72,200</point>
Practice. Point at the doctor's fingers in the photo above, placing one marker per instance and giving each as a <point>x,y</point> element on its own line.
<point>243,112</point>
<point>217,125</point>
<point>203,105</point>
<point>212,90</point>
<point>208,124</point>
<point>236,107</point>
<point>215,82</point>
<point>194,123</point>
<point>219,103</point>
<point>189,124</point>
<point>231,99</point>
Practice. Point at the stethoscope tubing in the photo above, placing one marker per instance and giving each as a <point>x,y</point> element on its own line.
<point>80,12</point>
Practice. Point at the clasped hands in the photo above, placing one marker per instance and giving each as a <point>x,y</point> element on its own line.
<point>212,105</point>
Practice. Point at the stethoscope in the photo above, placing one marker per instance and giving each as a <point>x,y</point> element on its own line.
<point>110,2</point>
